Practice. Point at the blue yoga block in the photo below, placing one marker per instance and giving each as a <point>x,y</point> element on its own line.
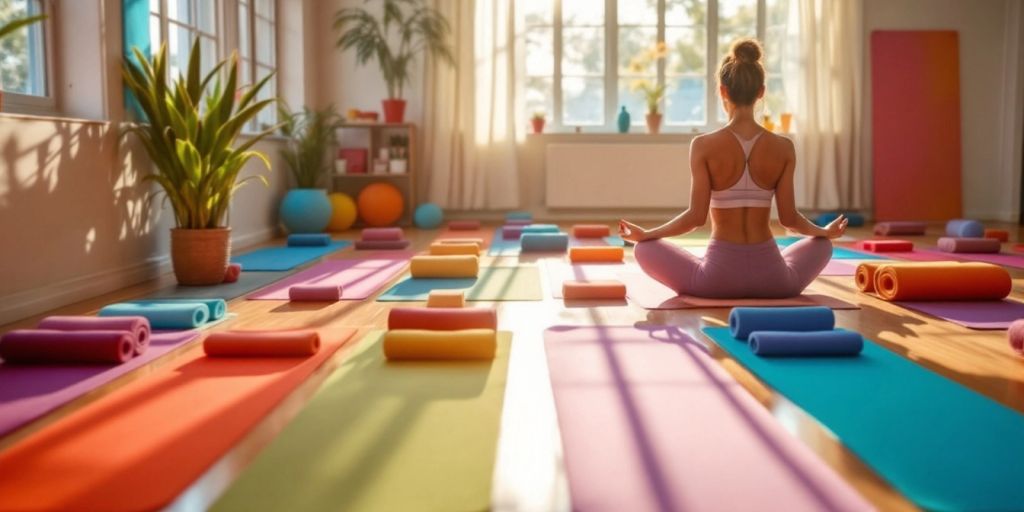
<point>309,240</point>
<point>544,242</point>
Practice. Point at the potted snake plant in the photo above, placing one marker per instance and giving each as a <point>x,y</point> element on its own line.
<point>190,129</point>
<point>310,133</point>
<point>10,28</point>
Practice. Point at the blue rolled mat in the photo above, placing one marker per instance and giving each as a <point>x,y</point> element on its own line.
<point>519,215</point>
<point>217,307</point>
<point>309,240</point>
<point>854,219</point>
<point>965,228</point>
<point>805,344</point>
<point>163,315</point>
<point>541,228</point>
<point>544,242</point>
<point>743,321</point>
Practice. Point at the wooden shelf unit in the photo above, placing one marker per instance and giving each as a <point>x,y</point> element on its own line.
<point>378,134</point>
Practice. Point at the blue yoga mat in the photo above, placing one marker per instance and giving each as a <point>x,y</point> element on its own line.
<point>838,253</point>
<point>285,258</point>
<point>940,444</point>
<point>217,307</point>
<point>163,315</point>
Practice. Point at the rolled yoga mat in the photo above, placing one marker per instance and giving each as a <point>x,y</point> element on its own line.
<point>218,307</point>
<point>137,326</point>
<point>262,344</point>
<point>853,219</point>
<point>464,225</point>
<point>597,254</point>
<point>969,245</point>
<point>540,228</point>
<point>314,293</point>
<point>34,346</point>
<point>1015,334</point>
<point>449,249</point>
<point>544,242</point>
<point>233,272</point>
<point>446,299</point>
<point>999,234</point>
<point>424,345</point>
<point>593,290</point>
<point>309,240</point>
<point>805,344</point>
<point>444,267</point>
<point>443,319</point>
<point>519,215</point>
<point>511,232</point>
<point>163,315</point>
<point>900,228</point>
<point>381,245</point>
<point>382,234</point>
<point>887,245</point>
<point>743,321</point>
<point>591,231</point>
<point>942,282</point>
<point>865,277</point>
<point>965,228</point>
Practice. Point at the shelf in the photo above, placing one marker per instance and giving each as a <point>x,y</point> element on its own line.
<point>370,175</point>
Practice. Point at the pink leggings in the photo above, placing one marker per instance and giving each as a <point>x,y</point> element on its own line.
<point>736,271</point>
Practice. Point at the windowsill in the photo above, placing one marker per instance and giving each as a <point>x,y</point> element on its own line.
<point>50,117</point>
<point>607,136</point>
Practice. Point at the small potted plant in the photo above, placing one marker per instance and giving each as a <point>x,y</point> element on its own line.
<point>421,29</point>
<point>310,133</point>
<point>399,151</point>
<point>537,120</point>
<point>651,92</point>
<point>12,27</point>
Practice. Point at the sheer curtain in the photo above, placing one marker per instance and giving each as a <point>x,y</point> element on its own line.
<point>823,71</point>
<point>469,110</point>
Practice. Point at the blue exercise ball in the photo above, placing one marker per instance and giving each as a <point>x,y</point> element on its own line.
<point>306,210</point>
<point>428,216</point>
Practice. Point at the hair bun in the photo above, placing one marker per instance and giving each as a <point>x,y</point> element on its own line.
<point>746,50</point>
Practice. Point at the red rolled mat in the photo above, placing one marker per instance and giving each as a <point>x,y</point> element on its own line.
<point>887,245</point>
<point>999,234</point>
<point>591,231</point>
<point>443,319</point>
<point>1015,334</point>
<point>1018,247</point>
<point>593,290</point>
<point>138,326</point>
<point>969,245</point>
<point>262,344</point>
<point>45,347</point>
<point>314,293</point>
<point>942,282</point>
<point>464,225</point>
<point>382,234</point>
<point>233,272</point>
<point>900,228</point>
<point>381,245</point>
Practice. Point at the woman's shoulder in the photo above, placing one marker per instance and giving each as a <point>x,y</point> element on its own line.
<point>780,143</point>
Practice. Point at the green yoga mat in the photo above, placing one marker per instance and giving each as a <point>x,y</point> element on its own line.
<point>247,282</point>
<point>940,444</point>
<point>493,284</point>
<point>382,436</point>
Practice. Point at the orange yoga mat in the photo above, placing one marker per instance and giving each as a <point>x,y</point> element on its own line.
<point>139,447</point>
<point>418,345</point>
<point>942,282</point>
<point>865,277</point>
<point>590,231</point>
<point>593,290</point>
<point>598,254</point>
<point>443,319</point>
<point>262,344</point>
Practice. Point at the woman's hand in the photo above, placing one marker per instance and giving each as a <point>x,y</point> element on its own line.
<point>632,233</point>
<point>836,228</point>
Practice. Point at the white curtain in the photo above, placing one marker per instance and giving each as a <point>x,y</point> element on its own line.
<point>469,122</point>
<point>823,74</point>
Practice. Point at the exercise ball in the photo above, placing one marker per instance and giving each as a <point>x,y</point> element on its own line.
<point>428,216</point>
<point>380,204</point>
<point>343,212</point>
<point>305,210</point>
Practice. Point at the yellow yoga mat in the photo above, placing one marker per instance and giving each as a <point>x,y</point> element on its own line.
<point>384,436</point>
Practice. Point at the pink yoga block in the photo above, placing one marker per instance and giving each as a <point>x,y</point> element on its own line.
<point>382,234</point>
<point>233,272</point>
<point>464,225</point>
<point>887,245</point>
<point>137,326</point>
<point>1016,337</point>
<point>314,293</point>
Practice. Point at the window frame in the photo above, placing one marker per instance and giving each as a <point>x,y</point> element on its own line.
<point>254,63</point>
<point>219,23</point>
<point>31,104</point>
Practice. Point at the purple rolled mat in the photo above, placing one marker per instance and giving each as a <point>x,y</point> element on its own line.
<point>137,326</point>
<point>382,234</point>
<point>969,245</point>
<point>314,293</point>
<point>381,245</point>
<point>512,231</point>
<point>900,228</point>
<point>46,347</point>
<point>1016,337</point>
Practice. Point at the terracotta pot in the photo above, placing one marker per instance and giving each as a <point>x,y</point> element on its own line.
<point>653,123</point>
<point>394,110</point>
<point>538,125</point>
<point>200,256</point>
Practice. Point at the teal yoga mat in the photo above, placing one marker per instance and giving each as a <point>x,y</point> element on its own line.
<point>285,258</point>
<point>217,307</point>
<point>163,315</point>
<point>838,253</point>
<point>940,444</point>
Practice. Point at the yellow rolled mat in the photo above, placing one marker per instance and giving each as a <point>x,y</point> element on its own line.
<point>424,345</point>
<point>455,266</point>
<point>947,282</point>
<point>446,299</point>
<point>445,249</point>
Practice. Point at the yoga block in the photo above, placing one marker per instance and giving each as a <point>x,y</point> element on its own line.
<point>137,326</point>
<point>887,245</point>
<point>743,321</point>
<point>541,228</point>
<point>440,249</point>
<point>314,293</point>
<point>946,281</point>
<point>544,242</point>
<point>999,234</point>
<point>381,245</point>
<point>969,245</point>
<point>477,241</point>
<point>420,345</point>
<point>382,234</point>
<point>965,228</point>
<point>593,290</point>
<point>446,299</point>
<point>900,228</point>
<point>511,232</point>
<point>591,231</point>
<point>38,346</point>
<point>464,225</point>
<point>597,254</point>
<point>806,344</point>
<point>519,215</point>
<point>443,319</point>
<point>262,344</point>
<point>309,240</point>
<point>233,272</point>
<point>447,267</point>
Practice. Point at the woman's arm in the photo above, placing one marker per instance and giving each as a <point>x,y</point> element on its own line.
<point>785,199</point>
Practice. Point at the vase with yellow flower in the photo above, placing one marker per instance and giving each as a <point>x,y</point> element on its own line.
<point>651,91</point>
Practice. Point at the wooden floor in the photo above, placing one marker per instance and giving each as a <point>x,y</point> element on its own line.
<point>529,473</point>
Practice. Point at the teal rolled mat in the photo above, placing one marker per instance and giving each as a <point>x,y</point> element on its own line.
<point>217,307</point>
<point>541,228</point>
<point>163,315</point>
<point>938,443</point>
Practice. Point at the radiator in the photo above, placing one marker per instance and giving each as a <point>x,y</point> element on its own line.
<point>617,175</point>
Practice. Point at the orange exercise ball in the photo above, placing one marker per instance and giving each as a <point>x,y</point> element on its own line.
<point>380,204</point>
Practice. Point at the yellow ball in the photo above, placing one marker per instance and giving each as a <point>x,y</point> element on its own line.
<point>343,212</point>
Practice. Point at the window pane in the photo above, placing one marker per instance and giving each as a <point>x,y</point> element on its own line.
<point>687,49</point>
<point>539,95</point>
<point>582,101</point>
<point>633,99</point>
<point>268,116</point>
<point>206,16</point>
<point>265,8</point>
<point>178,10</point>
<point>582,12</point>
<point>634,42</point>
<point>154,6</point>
<point>209,53</point>
<point>22,53</point>
<point>685,101</point>
<point>540,53</point>
<point>178,44</point>
<point>244,43</point>
<point>638,12</point>
<point>154,34</point>
<point>737,19</point>
<point>774,39</point>
<point>583,51</point>
<point>536,12</point>
<point>777,12</point>
<point>775,97</point>
<point>686,12</point>
<point>265,47</point>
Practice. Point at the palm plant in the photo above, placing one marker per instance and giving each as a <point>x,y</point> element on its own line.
<point>310,133</point>
<point>191,126</point>
<point>9,28</point>
<point>422,29</point>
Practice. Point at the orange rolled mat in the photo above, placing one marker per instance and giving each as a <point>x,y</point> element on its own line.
<point>443,319</point>
<point>593,290</point>
<point>999,234</point>
<point>598,254</point>
<point>590,231</point>
<point>262,344</point>
<point>864,277</point>
<point>442,298</point>
<point>140,447</point>
<point>420,345</point>
<point>449,249</point>
<point>942,282</point>
<point>455,266</point>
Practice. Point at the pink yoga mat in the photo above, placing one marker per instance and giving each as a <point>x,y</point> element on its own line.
<point>650,294</point>
<point>839,268</point>
<point>650,421</point>
<point>28,392</point>
<point>358,278</point>
<point>981,315</point>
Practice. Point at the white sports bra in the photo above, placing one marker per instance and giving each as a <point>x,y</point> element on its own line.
<point>744,193</point>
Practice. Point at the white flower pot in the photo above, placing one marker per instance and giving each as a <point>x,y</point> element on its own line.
<point>399,166</point>
<point>340,166</point>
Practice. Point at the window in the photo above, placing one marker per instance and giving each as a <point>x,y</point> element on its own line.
<point>584,59</point>
<point>178,22</point>
<point>24,66</point>
<point>257,48</point>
